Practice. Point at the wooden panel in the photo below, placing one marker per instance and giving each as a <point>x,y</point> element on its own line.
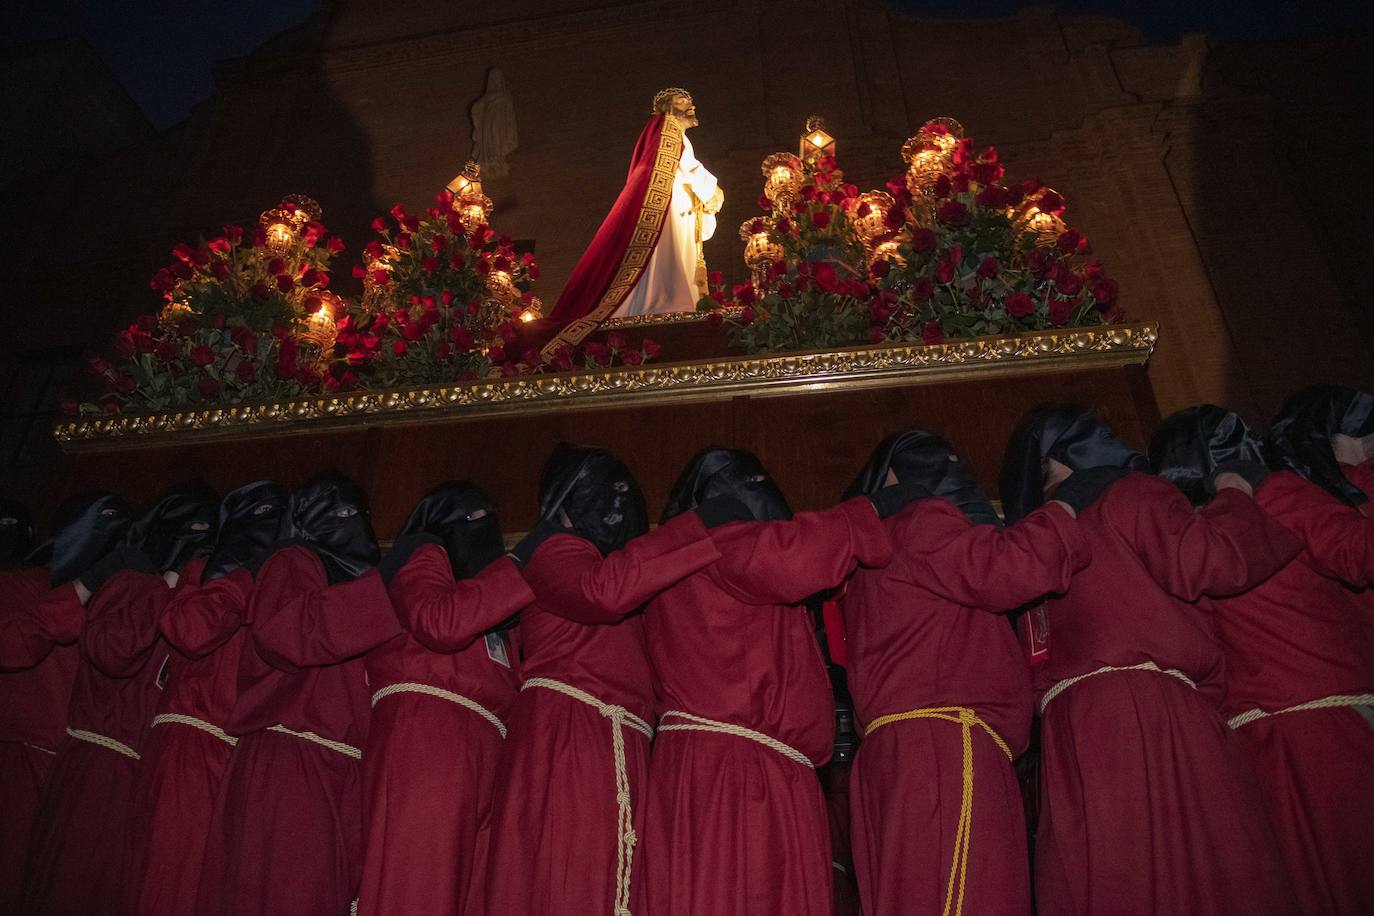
<point>812,443</point>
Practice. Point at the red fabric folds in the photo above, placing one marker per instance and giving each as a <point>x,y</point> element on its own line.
<point>424,857</point>
<point>604,258</point>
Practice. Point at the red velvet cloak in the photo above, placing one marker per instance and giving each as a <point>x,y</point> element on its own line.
<point>615,260</point>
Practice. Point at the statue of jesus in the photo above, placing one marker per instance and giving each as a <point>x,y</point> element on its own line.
<point>646,258</point>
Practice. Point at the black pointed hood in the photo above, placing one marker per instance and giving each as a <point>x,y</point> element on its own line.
<point>16,533</point>
<point>1300,436</point>
<point>88,527</point>
<point>464,519</point>
<point>921,457</point>
<point>1190,444</point>
<point>1073,435</point>
<point>179,526</point>
<point>249,519</point>
<point>329,515</point>
<point>597,492</point>
<point>729,472</point>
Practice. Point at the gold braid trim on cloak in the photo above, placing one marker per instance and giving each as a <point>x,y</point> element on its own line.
<point>643,241</point>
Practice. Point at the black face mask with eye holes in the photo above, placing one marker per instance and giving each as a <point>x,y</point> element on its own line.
<point>463,519</point>
<point>730,472</point>
<point>329,515</point>
<point>179,526</point>
<point>1300,436</point>
<point>1190,444</point>
<point>917,456</point>
<point>88,527</point>
<point>249,518</point>
<point>596,492</point>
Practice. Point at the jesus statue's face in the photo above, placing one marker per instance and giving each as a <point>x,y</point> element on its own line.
<point>684,110</point>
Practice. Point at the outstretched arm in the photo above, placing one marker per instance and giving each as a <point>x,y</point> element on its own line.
<point>1339,539</point>
<point>446,616</point>
<point>121,625</point>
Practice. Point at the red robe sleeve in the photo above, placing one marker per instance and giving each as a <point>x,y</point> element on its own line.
<point>26,633</point>
<point>1339,539</point>
<point>1362,476</point>
<point>446,615</point>
<point>300,622</point>
<point>770,563</point>
<point>570,578</point>
<point>121,623</point>
<point>982,566</point>
<point>1226,548</point>
<point>201,618</point>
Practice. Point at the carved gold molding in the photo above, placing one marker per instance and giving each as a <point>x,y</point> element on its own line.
<point>664,318</point>
<point>855,368</point>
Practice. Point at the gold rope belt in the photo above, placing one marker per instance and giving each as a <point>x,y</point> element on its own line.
<point>702,724</point>
<point>173,718</point>
<point>442,694</point>
<point>965,718</point>
<point>1334,702</point>
<point>339,747</point>
<point>1068,682</point>
<point>620,717</point>
<point>111,744</point>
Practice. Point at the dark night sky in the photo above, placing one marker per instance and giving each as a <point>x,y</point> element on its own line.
<point>163,51</point>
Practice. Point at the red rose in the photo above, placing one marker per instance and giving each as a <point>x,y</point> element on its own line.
<point>1050,202</point>
<point>932,333</point>
<point>1019,305</point>
<point>1068,241</point>
<point>311,277</point>
<point>234,234</point>
<point>399,348</point>
<point>202,355</point>
<point>246,372</point>
<point>786,290</point>
<point>462,337</point>
<point>993,197</point>
<point>332,384</point>
<point>944,272</point>
<point>181,269</point>
<point>182,250</point>
<point>533,271</point>
<point>166,350</point>
<point>220,270</point>
<point>895,218</point>
<point>714,320</point>
<point>632,357</point>
<point>430,264</point>
<point>744,293</point>
<point>125,384</point>
<point>922,240</point>
<point>285,284</point>
<point>615,340</point>
<point>259,237</point>
<point>276,266</point>
<point>952,213</point>
<point>1104,292</point>
<point>218,246</point>
<point>763,203</point>
<point>808,193</point>
<point>411,224</point>
<point>651,348</point>
<point>784,226</point>
<point>820,219</point>
<point>261,292</point>
<point>988,268</point>
<point>1059,311</point>
<point>597,352</point>
<point>209,387</point>
<point>335,245</point>
<point>413,331</point>
<point>880,268</point>
<point>879,310</point>
<point>824,275</point>
<point>403,242</point>
<point>941,188</point>
<point>398,212</point>
<point>381,277</point>
<point>747,316</point>
<point>497,354</point>
<point>163,279</point>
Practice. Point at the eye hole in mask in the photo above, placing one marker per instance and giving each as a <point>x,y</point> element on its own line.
<point>475,514</point>
<point>9,521</point>
<point>263,509</point>
<point>757,478</point>
<point>620,486</point>
<point>345,512</point>
<point>613,518</point>
<point>108,513</point>
<point>200,526</point>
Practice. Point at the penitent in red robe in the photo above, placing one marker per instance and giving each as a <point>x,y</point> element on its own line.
<point>36,676</point>
<point>79,854</point>
<point>1302,636</point>
<point>286,836</point>
<point>184,762</point>
<point>1151,805</point>
<point>928,632</point>
<point>555,818</point>
<point>430,763</point>
<point>734,826</point>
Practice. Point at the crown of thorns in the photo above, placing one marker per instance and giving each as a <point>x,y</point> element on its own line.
<point>666,96</point>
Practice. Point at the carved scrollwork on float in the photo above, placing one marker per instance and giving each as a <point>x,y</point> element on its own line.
<point>1068,349</point>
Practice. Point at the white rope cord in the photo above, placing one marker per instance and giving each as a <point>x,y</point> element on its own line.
<point>1068,682</point>
<point>38,748</point>
<point>442,694</point>
<point>353,907</point>
<point>347,750</point>
<point>1333,702</point>
<point>700,724</point>
<point>626,839</point>
<point>176,718</point>
<point>119,747</point>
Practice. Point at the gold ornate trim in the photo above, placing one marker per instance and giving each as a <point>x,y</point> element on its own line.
<point>643,240</point>
<point>642,321</point>
<point>1066,350</point>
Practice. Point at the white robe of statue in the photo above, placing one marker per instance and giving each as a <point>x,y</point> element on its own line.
<point>669,283</point>
<point>494,136</point>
